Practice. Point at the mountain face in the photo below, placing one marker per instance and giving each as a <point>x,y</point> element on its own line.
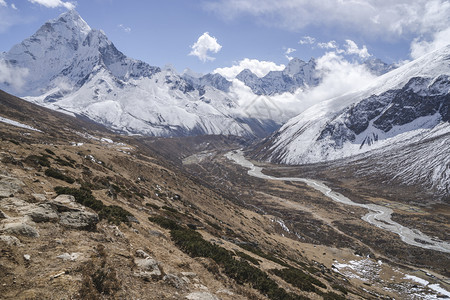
<point>77,70</point>
<point>67,51</point>
<point>406,107</point>
<point>297,74</point>
<point>214,80</point>
<point>378,67</point>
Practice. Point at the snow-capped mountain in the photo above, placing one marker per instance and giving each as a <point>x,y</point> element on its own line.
<point>399,108</point>
<point>378,67</point>
<point>297,74</point>
<point>76,69</point>
<point>215,80</point>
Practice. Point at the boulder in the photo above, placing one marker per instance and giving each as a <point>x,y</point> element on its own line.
<point>3,215</point>
<point>142,254</point>
<point>80,219</point>
<point>73,214</point>
<point>20,229</point>
<point>10,240</point>
<point>148,269</point>
<point>15,204</point>
<point>39,197</point>
<point>43,213</point>
<point>66,203</point>
<point>175,281</point>
<point>9,186</point>
<point>69,257</point>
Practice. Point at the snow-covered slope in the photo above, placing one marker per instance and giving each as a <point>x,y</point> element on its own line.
<point>397,109</point>
<point>425,162</point>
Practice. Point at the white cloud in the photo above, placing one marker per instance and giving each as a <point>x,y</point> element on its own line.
<point>124,28</point>
<point>307,40</point>
<point>3,3</point>
<point>12,76</point>
<point>420,47</point>
<point>339,77</point>
<point>352,48</point>
<point>328,45</point>
<point>54,3</point>
<point>13,6</point>
<point>290,50</point>
<point>205,44</point>
<point>384,19</point>
<point>258,67</point>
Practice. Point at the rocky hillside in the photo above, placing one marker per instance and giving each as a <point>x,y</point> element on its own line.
<point>86,214</point>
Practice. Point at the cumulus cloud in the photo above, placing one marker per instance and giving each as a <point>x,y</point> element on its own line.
<point>3,3</point>
<point>384,19</point>
<point>205,44</point>
<point>13,6</point>
<point>12,76</point>
<point>307,40</point>
<point>258,67</point>
<point>328,45</point>
<point>124,28</point>
<point>289,51</point>
<point>54,3</point>
<point>352,48</point>
<point>420,46</point>
<point>339,77</point>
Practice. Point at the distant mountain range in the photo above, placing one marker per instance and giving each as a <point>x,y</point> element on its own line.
<point>78,70</point>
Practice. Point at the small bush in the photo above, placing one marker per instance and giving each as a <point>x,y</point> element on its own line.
<point>248,257</point>
<point>165,222</point>
<point>340,288</point>
<point>299,279</point>
<point>267,256</point>
<point>154,206</point>
<point>55,173</point>
<point>112,213</point>
<point>49,151</point>
<point>214,225</point>
<point>332,296</point>
<point>171,209</point>
<point>63,162</point>
<point>37,160</point>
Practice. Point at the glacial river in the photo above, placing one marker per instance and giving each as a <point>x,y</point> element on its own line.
<point>379,216</point>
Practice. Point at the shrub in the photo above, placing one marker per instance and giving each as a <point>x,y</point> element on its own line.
<point>171,209</point>
<point>247,257</point>
<point>154,206</point>
<point>63,162</point>
<point>37,160</point>
<point>165,222</point>
<point>192,243</point>
<point>267,256</point>
<point>332,296</point>
<point>55,173</point>
<point>112,213</point>
<point>49,151</point>
<point>299,279</point>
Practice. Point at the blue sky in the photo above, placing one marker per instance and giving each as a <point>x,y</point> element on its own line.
<point>163,32</point>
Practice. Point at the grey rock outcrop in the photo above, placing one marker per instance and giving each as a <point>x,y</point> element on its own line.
<point>20,228</point>
<point>9,186</point>
<point>148,268</point>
